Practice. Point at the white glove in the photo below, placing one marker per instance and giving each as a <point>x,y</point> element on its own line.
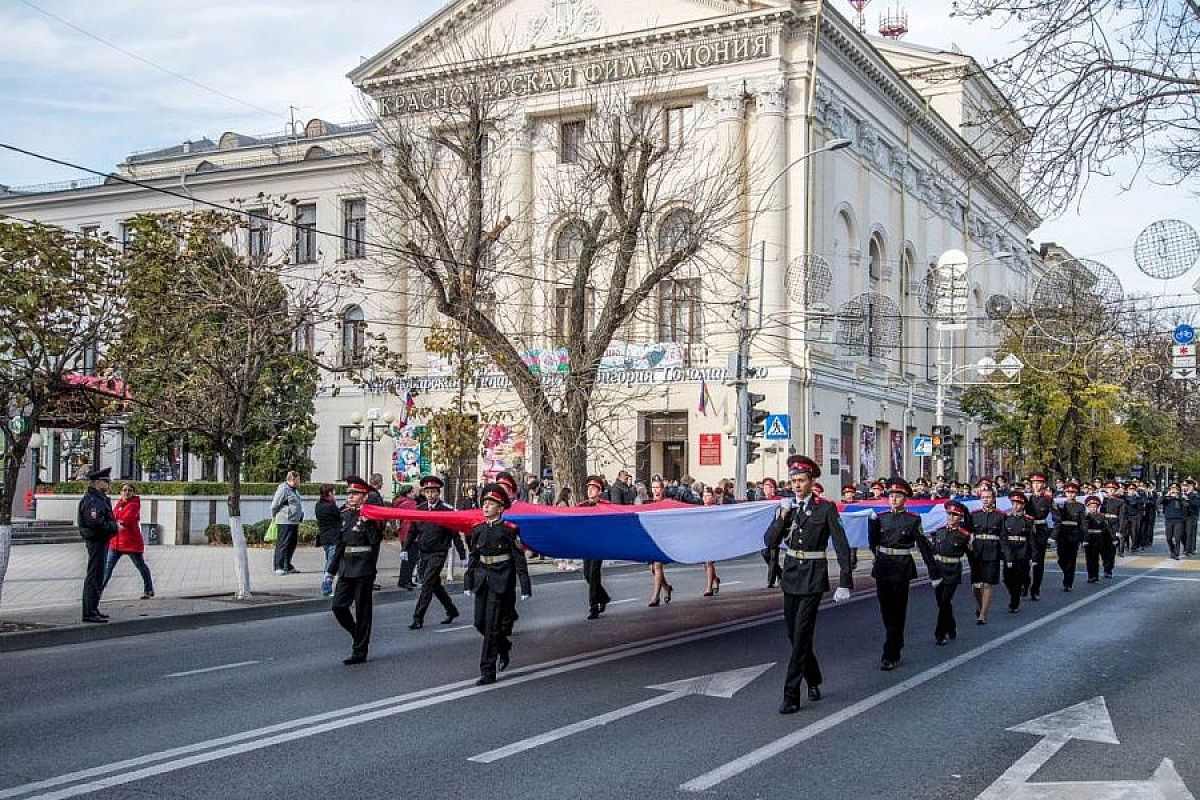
<point>840,594</point>
<point>524,597</point>
<point>936,582</point>
<point>404,555</point>
<point>785,504</point>
<point>468,593</point>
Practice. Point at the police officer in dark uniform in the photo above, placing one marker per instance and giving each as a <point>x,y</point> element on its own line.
<point>892,536</point>
<point>495,565</point>
<point>805,526</point>
<point>433,542</point>
<point>354,563</point>
<point>1097,530</point>
<point>950,544</point>
<point>96,525</point>
<point>1072,521</point>
<point>986,556</point>
<point>1039,508</point>
<point>1017,543</point>
<point>598,598</point>
<point>1112,507</point>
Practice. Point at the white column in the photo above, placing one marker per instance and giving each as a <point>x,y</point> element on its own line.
<point>728,103</point>
<point>517,249</point>
<point>768,193</point>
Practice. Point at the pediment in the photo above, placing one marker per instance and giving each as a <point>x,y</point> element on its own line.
<point>472,29</point>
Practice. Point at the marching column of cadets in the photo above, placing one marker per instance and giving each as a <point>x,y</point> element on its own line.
<point>997,546</point>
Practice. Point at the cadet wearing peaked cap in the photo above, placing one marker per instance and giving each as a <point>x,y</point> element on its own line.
<point>598,598</point>
<point>495,566</point>
<point>1016,540</point>
<point>950,543</point>
<point>433,543</point>
<point>893,535</point>
<point>355,559</point>
<point>1072,521</point>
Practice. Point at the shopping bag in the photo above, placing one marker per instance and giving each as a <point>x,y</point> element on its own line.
<point>272,532</point>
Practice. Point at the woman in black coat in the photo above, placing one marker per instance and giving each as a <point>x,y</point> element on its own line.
<point>329,528</point>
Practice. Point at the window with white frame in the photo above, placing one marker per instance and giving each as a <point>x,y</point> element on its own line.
<point>563,295</point>
<point>677,232</point>
<point>570,141</point>
<point>354,336</point>
<point>306,234</point>
<point>679,310</point>
<point>678,122</point>
<point>259,234</point>
<point>354,228</point>
<point>568,246</point>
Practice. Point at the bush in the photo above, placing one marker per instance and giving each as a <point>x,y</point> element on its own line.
<point>218,534</point>
<point>189,488</point>
<point>256,533</point>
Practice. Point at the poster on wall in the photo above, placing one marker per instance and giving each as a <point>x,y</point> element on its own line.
<point>710,449</point>
<point>897,450</point>
<point>410,459</point>
<point>866,453</point>
<point>819,447</point>
<point>847,451</point>
<point>503,449</point>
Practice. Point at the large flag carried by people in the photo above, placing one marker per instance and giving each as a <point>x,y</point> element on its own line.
<point>667,531</point>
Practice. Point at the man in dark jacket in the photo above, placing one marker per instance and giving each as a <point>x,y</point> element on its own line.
<point>805,526</point>
<point>893,535</point>
<point>621,492</point>
<point>433,542</point>
<point>1072,522</point>
<point>96,525</point>
<point>355,563</point>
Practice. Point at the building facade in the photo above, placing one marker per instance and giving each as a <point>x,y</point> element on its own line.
<point>837,249</point>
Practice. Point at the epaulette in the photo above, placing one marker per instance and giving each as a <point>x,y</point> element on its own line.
<point>512,525</point>
<point>912,513</point>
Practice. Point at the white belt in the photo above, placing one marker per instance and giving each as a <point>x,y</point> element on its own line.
<point>806,555</point>
<point>895,551</point>
<point>1111,516</point>
<point>1065,523</point>
<point>359,549</point>
<point>1016,538</point>
<point>489,560</point>
<point>987,536</point>
<point>949,559</point>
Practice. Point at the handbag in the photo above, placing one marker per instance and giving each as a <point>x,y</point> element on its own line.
<point>272,532</point>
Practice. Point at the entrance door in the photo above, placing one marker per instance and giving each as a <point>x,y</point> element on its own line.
<point>674,460</point>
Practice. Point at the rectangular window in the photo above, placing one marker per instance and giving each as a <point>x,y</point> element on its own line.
<point>354,228</point>
<point>562,312</point>
<point>126,236</point>
<point>306,234</point>
<point>259,243</point>
<point>570,142</point>
<point>679,311</point>
<point>306,337</point>
<point>90,358</point>
<point>90,231</point>
<point>679,122</point>
<point>349,454</point>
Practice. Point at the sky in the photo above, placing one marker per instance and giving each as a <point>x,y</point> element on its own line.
<point>66,94</point>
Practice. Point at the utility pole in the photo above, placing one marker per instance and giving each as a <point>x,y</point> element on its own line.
<point>741,371</point>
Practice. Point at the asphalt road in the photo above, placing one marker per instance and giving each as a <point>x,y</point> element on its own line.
<point>277,715</point>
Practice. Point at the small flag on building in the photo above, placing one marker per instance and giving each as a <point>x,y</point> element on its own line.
<point>705,398</point>
<point>409,404</point>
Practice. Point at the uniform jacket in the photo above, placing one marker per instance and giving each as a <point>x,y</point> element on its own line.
<point>356,532</point>
<point>900,530</point>
<point>128,514</point>
<point>1193,499</point>
<point>96,520</point>
<point>329,523</point>
<point>1175,509</point>
<point>1098,526</point>
<point>1040,508</point>
<point>987,524</point>
<point>1150,510</point>
<point>1115,509</point>
<point>431,538</point>
<point>953,543</point>
<point>497,538</point>
<point>1017,537</point>
<point>1072,519</point>
<point>812,532</point>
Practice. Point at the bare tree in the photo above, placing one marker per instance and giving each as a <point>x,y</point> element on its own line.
<point>571,256</point>
<point>1096,81</point>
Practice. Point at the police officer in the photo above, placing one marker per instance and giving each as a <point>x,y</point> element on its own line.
<point>805,525</point>
<point>1072,522</point>
<point>1112,507</point>
<point>892,536</point>
<point>985,557</point>
<point>354,563</point>
<point>1039,508</point>
<point>1193,499</point>
<point>96,525</point>
<point>433,542</point>
<point>950,544</point>
<point>770,488</point>
<point>598,598</point>
<point>495,565</point>
<point>1097,530</point>
<point>1017,543</point>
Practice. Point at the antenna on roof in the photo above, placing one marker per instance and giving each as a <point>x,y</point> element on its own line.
<point>292,125</point>
<point>860,19</point>
<point>893,24</point>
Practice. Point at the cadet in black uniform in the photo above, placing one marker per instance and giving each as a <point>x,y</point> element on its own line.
<point>1112,507</point>
<point>1193,500</point>
<point>96,525</point>
<point>892,536</point>
<point>495,565</point>
<point>1097,530</point>
<point>805,525</point>
<point>771,554</point>
<point>598,598</point>
<point>1175,510</point>
<point>433,542</point>
<point>1072,519</point>
<point>1016,540</point>
<point>1127,523</point>
<point>1149,515</point>
<point>986,554</point>
<point>1038,507</point>
<point>354,563</point>
<point>950,544</point>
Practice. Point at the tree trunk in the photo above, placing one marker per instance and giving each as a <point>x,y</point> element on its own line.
<point>241,556</point>
<point>566,439</point>
<point>17,447</point>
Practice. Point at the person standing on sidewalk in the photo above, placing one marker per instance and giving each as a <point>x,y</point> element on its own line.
<point>355,561</point>
<point>128,541</point>
<point>893,535</point>
<point>97,526</point>
<point>433,542</point>
<point>329,530</point>
<point>288,512</point>
<point>805,524</point>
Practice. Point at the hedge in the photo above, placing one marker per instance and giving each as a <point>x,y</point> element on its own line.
<point>186,488</point>
<point>255,531</point>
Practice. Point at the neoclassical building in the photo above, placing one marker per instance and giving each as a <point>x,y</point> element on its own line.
<point>863,160</point>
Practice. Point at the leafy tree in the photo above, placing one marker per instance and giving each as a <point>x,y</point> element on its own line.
<point>60,300</point>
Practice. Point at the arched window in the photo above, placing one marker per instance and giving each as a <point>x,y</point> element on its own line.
<point>569,244</point>
<point>875,261</point>
<point>354,336</point>
<point>315,152</point>
<point>678,231</point>
<point>315,127</point>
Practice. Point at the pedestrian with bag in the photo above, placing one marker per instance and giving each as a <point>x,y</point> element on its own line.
<point>128,541</point>
<point>287,511</point>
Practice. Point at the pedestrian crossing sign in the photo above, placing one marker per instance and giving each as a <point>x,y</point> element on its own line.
<point>778,427</point>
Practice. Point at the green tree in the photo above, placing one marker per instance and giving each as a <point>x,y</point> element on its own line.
<point>60,300</point>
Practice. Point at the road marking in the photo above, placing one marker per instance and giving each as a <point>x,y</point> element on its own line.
<point>627,600</point>
<point>719,684</point>
<point>455,628</point>
<point>755,757</point>
<point>212,669</point>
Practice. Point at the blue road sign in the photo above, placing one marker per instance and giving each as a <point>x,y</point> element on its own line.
<point>778,426</point>
<point>923,446</point>
<point>1184,334</point>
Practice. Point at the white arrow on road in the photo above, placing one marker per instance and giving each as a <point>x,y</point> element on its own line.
<point>1088,721</point>
<point>718,684</point>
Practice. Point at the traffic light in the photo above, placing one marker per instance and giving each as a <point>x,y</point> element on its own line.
<point>756,417</point>
<point>751,451</point>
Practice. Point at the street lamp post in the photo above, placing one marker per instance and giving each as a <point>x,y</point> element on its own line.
<point>370,436</point>
<point>746,333</point>
<point>986,368</point>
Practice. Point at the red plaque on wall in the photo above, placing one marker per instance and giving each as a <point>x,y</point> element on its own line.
<point>710,449</point>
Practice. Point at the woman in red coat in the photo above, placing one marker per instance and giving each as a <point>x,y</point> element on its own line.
<point>128,541</point>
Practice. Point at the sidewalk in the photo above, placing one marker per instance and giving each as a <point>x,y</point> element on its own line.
<point>193,585</point>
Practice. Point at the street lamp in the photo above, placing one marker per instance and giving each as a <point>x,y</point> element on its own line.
<point>745,333</point>
<point>377,426</point>
<point>986,370</point>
